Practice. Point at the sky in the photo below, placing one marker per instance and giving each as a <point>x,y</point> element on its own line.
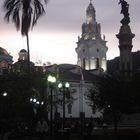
<point>54,37</point>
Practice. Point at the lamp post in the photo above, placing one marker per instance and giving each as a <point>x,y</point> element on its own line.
<point>51,79</point>
<point>36,104</point>
<point>64,87</point>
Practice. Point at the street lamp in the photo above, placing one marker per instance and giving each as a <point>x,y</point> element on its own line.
<point>51,79</point>
<point>64,87</point>
<point>36,104</point>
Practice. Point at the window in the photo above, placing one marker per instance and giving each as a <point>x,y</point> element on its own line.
<point>86,64</point>
<point>103,64</point>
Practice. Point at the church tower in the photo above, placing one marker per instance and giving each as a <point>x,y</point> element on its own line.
<point>23,55</point>
<point>91,48</point>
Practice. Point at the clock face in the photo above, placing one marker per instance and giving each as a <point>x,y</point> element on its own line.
<point>89,19</point>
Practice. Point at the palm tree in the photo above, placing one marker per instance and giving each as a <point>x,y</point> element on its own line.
<point>24,14</point>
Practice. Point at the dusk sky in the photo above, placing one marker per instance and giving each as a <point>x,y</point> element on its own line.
<point>54,37</point>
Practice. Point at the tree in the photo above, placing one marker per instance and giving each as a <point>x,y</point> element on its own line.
<point>17,103</point>
<point>16,100</point>
<point>113,96</point>
<point>24,14</point>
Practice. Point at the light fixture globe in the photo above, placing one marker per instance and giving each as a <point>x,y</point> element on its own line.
<point>67,85</point>
<point>51,79</point>
<point>60,85</point>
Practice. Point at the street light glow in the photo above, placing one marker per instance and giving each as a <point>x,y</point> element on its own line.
<point>31,99</point>
<point>67,85</point>
<point>4,94</point>
<point>34,100</point>
<point>51,79</point>
<point>42,103</point>
<point>60,85</point>
<point>37,102</point>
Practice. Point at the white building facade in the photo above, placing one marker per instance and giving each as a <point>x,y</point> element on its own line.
<point>77,104</point>
<point>80,103</point>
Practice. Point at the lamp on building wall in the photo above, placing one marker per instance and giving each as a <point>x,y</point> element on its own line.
<point>51,80</point>
<point>63,87</point>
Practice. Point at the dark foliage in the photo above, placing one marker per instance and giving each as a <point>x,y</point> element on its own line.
<point>116,97</point>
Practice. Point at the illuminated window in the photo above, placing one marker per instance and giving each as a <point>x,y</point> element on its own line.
<point>86,64</point>
<point>23,58</point>
<point>92,63</point>
<point>103,65</point>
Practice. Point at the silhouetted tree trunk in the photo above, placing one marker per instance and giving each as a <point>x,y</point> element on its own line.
<point>28,49</point>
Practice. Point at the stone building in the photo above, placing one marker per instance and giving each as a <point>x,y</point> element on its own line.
<point>6,61</point>
<point>81,81</point>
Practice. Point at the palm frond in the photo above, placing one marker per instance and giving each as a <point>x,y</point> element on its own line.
<point>24,13</point>
<point>16,18</point>
<point>12,7</point>
<point>38,11</point>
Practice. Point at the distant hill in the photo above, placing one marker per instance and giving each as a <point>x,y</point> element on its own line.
<point>113,65</point>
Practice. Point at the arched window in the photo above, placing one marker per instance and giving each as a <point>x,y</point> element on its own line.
<point>87,64</point>
<point>97,63</point>
<point>84,63</point>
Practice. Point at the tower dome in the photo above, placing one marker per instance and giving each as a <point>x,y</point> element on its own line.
<point>23,55</point>
<point>23,51</point>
